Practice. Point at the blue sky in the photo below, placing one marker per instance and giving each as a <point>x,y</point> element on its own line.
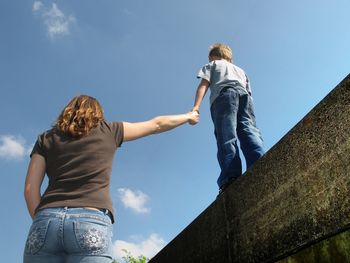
<point>140,59</point>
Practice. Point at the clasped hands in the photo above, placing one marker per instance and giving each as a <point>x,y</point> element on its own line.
<point>194,116</point>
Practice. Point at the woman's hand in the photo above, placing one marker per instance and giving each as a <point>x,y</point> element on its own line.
<point>193,117</point>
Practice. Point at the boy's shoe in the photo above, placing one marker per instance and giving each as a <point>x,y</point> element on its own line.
<point>225,185</point>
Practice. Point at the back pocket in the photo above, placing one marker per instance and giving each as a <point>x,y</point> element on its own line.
<point>36,237</point>
<point>93,239</point>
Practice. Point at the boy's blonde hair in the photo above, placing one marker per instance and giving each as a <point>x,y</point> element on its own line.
<point>221,50</point>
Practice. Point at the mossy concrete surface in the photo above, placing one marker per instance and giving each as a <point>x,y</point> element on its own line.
<point>297,194</point>
<point>335,249</point>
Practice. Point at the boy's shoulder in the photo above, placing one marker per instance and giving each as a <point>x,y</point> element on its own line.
<point>238,68</point>
<point>224,64</point>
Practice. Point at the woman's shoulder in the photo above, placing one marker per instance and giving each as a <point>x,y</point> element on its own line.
<point>113,127</point>
<point>110,125</point>
<point>48,133</point>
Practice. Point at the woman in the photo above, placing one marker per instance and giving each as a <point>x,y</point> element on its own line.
<point>72,220</point>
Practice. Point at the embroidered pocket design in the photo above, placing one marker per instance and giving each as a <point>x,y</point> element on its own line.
<point>36,237</point>
<point>93,240</point>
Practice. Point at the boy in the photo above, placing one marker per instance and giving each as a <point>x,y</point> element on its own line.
<point>232,112</point>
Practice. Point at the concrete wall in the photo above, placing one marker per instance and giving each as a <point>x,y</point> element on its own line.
<point>334,249</point>
<point>296,195</point>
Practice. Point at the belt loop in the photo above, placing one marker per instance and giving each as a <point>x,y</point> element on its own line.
<point>109,214</point>
<point>105,211</point>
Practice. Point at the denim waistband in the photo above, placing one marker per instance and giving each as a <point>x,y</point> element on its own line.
<point>75,212</point>
<point>235,85</point>
<point>226,88</point>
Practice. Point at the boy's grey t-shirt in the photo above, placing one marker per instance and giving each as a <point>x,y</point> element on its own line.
<point>220,74</point>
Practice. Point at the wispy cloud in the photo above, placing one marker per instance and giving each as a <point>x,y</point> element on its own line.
<point>12,147</point>
<point>57,23</point>
<point>37,6</point>
<point>147,247</point>
<point>135,200</point>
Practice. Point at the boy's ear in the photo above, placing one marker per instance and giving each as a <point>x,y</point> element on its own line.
<point>211,58</point>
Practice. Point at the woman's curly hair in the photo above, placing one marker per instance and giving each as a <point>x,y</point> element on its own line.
<point>80,115</point>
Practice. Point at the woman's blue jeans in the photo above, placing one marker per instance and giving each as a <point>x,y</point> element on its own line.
<point>69,235</point>
<point>234,119</point>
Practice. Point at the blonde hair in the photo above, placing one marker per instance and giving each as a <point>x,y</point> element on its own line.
<point>80,115</point>
<point>221,50</point>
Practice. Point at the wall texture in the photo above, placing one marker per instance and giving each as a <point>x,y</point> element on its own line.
<point>335,249</point>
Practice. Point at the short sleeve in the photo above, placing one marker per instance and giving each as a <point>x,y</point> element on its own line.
<point>38,147</point>
<point>205,72</point>
<point>118,132</point>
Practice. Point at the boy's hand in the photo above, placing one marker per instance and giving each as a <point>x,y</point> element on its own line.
<point>193,117</point>
<point>195,109</point>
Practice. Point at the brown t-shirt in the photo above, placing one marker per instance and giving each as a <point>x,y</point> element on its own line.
<point>79,169</point>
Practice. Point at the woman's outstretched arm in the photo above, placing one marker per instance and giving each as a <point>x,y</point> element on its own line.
<point>133,131</point>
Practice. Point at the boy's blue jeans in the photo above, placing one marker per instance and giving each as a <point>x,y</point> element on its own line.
<point>69,235</point>
<point>233,117</point>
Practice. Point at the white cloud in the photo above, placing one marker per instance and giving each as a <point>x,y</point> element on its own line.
<point>37,6</point>
<point>57,23</point>
<point>148,247</point>
<point>135,200</point>
<point>12,147</point>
